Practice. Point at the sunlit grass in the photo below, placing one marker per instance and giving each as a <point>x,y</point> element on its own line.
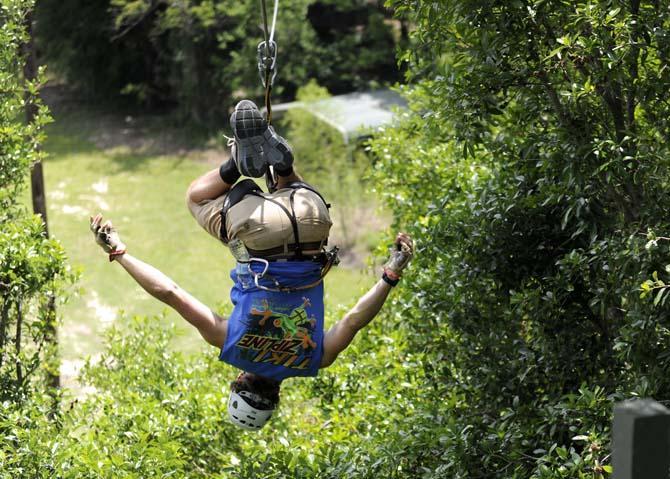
<point>144,196</point>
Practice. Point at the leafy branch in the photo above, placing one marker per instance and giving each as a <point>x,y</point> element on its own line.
<point>655,287</point>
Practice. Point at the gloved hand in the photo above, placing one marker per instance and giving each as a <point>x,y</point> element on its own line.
<point>107,237</point>
<point>401,254</point>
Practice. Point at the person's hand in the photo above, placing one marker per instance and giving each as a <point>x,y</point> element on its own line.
<point>401,254</point>
<point>107,237</point>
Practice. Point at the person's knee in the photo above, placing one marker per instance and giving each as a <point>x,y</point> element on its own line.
<point>192,193</point>
<point>190,204</point>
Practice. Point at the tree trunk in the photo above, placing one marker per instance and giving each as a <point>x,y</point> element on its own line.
<point>4,326</point>
<point>37,181</point>
<point>17,343</point>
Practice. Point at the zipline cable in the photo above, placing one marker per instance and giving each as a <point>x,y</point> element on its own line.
<point>274,21</point>
<point>265,25</point>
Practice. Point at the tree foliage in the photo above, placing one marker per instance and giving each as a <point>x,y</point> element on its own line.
<point>200,54</point>
<point>149,411</point>
<point>532,169</point>
<point>32,267</point>
<point>532,166</point>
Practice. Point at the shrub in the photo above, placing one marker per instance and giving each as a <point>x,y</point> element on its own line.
<point>530,169</point>
<point>152,412</point>
<point>32,267</point>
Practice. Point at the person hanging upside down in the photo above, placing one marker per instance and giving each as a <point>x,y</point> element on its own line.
<point>279,238</point>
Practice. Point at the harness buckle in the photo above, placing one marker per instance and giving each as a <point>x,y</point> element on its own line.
<point>332,256</point>
<point>267,64</point>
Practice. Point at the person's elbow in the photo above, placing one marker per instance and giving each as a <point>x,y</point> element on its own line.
<point>327,360</point>
<point>170,294</point>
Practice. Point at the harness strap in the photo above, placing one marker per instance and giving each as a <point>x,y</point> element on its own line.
<point>331,259</point>
<point>297,248</point>
<point>307,186</point>
<point>235,195</point>
<point>268,92</point>
<point>281,252</point>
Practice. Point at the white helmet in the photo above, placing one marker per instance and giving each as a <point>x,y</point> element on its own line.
<point>248,410</point>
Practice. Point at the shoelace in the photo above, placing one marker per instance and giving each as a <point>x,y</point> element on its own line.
<point>230,141</point>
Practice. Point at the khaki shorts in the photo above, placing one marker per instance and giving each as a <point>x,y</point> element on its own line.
<point>263,225</point>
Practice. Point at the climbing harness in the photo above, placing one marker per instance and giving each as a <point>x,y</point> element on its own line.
<point>328,258</point>
<point>267,70</point>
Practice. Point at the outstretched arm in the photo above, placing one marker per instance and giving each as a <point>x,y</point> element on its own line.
<point>212,327</point>
<point>343,332</point>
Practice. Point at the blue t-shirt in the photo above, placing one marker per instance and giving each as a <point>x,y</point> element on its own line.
<point>277,334</point>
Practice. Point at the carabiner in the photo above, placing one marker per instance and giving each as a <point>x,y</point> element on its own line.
<point>267,64</point>
<point>259,260</point>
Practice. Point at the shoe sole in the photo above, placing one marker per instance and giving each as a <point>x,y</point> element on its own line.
<point>276,150</point>
<point>249,126</point>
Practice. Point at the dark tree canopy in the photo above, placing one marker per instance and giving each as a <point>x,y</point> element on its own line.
<point>200,55</point>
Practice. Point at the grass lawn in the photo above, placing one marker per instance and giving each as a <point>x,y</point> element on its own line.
<point>143,193</point>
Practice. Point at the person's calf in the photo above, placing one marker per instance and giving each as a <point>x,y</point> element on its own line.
<point>212,184</point>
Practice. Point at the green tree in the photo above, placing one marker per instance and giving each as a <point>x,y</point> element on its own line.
<point>200,55</point>
<point>32,267</point>
<point>532,166</point>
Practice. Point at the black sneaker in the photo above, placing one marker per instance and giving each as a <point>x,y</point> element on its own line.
<point>257,144</point>
<point>249,127</point>
<point>277,151</point>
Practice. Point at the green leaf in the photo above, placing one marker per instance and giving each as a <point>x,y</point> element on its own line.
<point>659,296</point>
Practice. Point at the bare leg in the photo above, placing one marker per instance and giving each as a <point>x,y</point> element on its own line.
<point>205,197</point>
<point>208,187</point>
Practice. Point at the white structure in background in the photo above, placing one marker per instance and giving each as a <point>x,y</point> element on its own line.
<point>355,115</point>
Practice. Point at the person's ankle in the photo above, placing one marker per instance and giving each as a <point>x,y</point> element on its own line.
<point>229,172</point>
<point>285,173</point>
<point>284,180</point>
